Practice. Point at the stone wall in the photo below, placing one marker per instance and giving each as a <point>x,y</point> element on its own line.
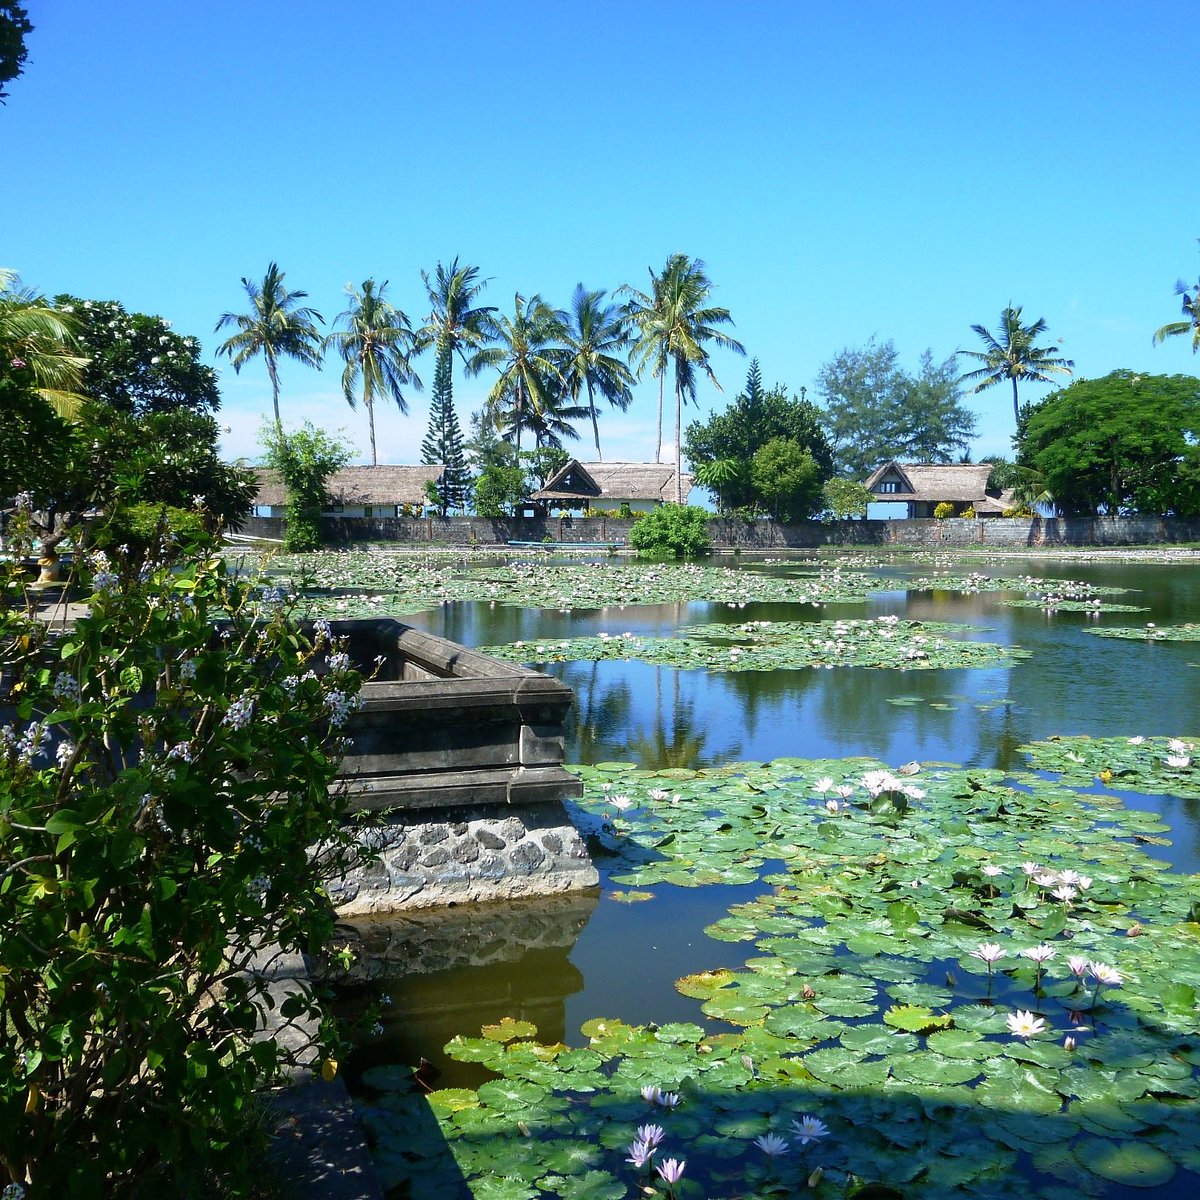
<point>735,534</point>
<point>422,859</point>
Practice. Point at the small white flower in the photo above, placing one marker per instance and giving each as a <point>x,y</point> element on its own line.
<point>1039,954</point>
<point>991,870</point>
<point>1136,741</point>
<point>771,1144</point>
<point>988,952</point>
<point>823,785</point>
<point>1103,973</point>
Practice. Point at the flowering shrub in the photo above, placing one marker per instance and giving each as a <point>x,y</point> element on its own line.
<point>943,510</point>
<point>165,816</point>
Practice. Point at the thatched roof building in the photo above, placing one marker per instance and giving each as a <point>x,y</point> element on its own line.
<point>642,486</point>
<point>923,486</point>
<point>353,490</point>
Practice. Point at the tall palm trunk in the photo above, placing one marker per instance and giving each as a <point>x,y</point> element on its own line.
<point>678,438</point>
<point>595,423</point>
<point>273,372</point>
<point>658,448</point>
<point>1016,408</point>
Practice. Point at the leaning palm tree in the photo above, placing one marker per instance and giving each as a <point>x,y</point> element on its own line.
<point>690,328</point>
<point>595,333</point>
<point>1191,312</point>
<point>529,354</point>
<point>45,340</point>
<point>276,326</point>
<point>648,322</point>
<point>1013,356</point>
<point>375,346</point>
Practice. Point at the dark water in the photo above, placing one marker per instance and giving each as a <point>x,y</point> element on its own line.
<point>623,961</point>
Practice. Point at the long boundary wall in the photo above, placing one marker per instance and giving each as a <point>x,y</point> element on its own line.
<point>730,534</point>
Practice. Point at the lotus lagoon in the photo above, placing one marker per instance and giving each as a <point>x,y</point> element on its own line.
<point>899,886</point>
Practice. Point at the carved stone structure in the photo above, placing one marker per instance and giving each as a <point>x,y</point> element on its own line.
<point>459,760</point>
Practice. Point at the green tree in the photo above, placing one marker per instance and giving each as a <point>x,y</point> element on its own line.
<point>864,391</point>
<point>1191,317</point>
<point>527,351</point>
<point>846,499</point>
<point>594,335</point>
<point>671,531</point>
<point>875,411</point>
<point>14,28</point>
<point>691,329</point>
<point>38,338</point>
<point>498,491</point>
<point>376,346</point>
<point>277,326</point>
<point>722,448</point>
<point>443,443</point>
<point>1126,442</point>
<point>788,478</point>
<point>136,362</point>
<point>1011,355</point>
<point>647,318</point>
<point>305,459</point>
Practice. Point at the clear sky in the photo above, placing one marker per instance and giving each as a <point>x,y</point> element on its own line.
<point>845,170</point>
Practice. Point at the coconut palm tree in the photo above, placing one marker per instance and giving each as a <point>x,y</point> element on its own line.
<point>1191,312</point>
<point>648,322</point>
<point>528,352</point>
<point>375,346</point>
<point>276,326</point>
<point>691,326</point>
<point>595,332</point>
<point>1013,356</point>
<point>456,324</point>
<point>44,339</point>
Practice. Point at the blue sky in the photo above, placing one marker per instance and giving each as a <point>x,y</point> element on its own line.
<point>844,170</point>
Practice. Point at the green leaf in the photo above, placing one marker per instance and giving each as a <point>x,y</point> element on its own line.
<point>1131,1164</point>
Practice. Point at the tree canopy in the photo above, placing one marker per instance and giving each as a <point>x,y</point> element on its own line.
<point>137,363</point>
<point>875,410</point>
<point>722,449</point>
<point>1124,443</point>
<point>14,27</point>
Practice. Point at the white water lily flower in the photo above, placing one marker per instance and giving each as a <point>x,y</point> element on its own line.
<point>988,952</point>
<point>809,1129</point>
<point>991,870</point>
<point>822,785</point>
<point>1065,893</point>
<point>771,1144</point>
<point>1176,746</point>
<point>1078,965</point>
<point>1039,954</point>
<point>1178,761</point>
<point>1103,973</point>
<point>1136,741</point>
<point>1024,1024</point>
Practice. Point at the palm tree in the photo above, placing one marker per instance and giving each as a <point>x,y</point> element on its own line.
<point>690,328</point>
<point>646,317</point>
<point>529,354</point>
<point>595,330</point>
<point>1013,356</point>
<point>455,325</point>
<point>45,340</point>
<point>275,326</point>
<point>1191,311</point>
<point>557,418</point>
<point>375,347</point>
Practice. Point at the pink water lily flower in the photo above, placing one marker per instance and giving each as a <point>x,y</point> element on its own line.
<point>671,1170</point>
<point>989,952</point>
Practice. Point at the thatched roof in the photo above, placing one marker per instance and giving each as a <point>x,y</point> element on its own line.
<point>934,482</point>
<point>354,486</point>
<point>612,482</point>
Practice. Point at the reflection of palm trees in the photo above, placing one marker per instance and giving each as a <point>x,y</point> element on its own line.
<point>675,740</point>
<point>600,712</point>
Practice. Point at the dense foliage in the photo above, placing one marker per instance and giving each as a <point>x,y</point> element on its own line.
<point>788,479</point>
<point>498,491</point>
<point>444,443</point>
<point>305,459</point>
<point>722,449</point>
<point>136,363</point>
<point>1124,443</point>
<point>671,531</point>
<point>162,789</point>
<point>846,498</point>
<point>14,27</point>
<point>876,411</point>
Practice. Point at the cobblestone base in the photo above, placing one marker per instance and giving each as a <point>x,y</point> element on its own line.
<point>456,856</point>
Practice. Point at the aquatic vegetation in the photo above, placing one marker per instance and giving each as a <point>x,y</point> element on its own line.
<point>920,1007</point>
<point>1150,632</point>
<point>1155,765</point>
<point>781,645</point>
<point>390,583</point>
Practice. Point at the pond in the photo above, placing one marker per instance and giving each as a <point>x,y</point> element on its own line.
<point>737,879</point>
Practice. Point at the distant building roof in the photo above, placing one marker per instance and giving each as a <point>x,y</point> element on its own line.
<point>354,486</point>
<point>933,483</point>
<point>613,482</point>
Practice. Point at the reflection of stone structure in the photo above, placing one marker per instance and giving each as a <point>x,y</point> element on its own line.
<point>460,756</point>
<point>480,935</point>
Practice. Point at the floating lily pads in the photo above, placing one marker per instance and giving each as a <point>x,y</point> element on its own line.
<point>1151,632</point>
<point>1154,765</point>
<point>785,645</point>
